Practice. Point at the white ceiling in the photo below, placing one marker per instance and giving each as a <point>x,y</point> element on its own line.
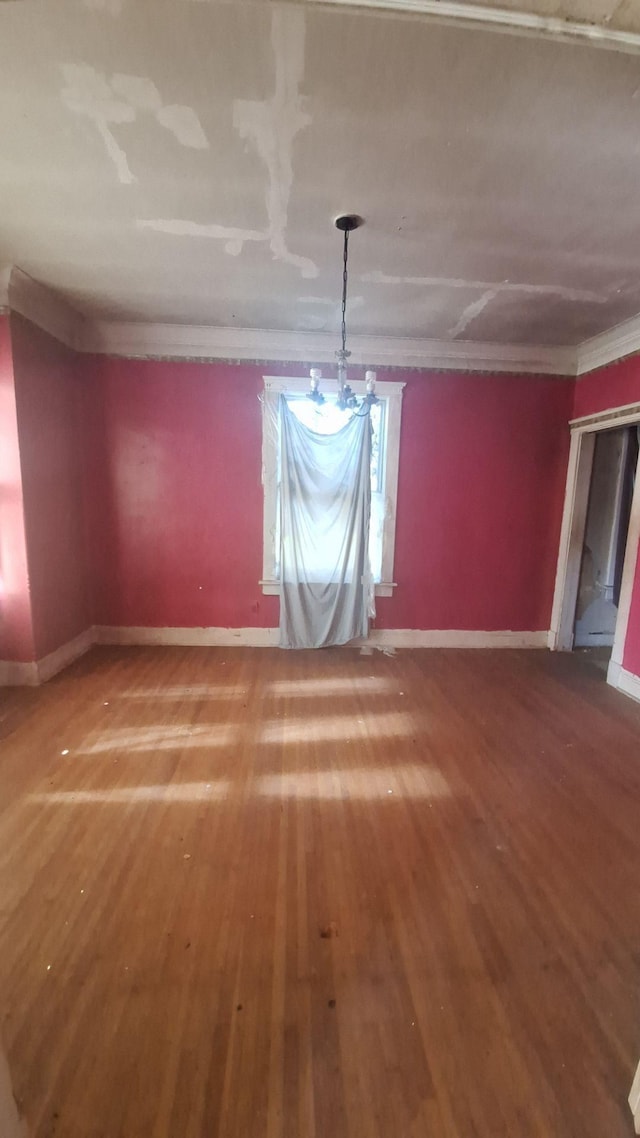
<point>181,162</point>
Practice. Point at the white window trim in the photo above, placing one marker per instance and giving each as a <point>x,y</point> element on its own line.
<point>391,392</point>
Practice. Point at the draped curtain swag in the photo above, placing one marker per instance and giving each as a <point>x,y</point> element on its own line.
<point>326,587</point>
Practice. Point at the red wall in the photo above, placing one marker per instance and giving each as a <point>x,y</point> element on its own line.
<point>16,631</point>
<point>49,400</point>
<point>612,386</point>
<point>134,495</point>
<point>176,533</point>
<point>483,464</point>
<point>615,386</point>
<point>176,523</point>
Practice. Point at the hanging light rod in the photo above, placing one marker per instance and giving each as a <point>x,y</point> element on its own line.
<point>347,400</point>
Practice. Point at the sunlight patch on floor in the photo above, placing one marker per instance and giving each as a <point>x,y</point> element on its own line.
<point>187,693</point>
<point>333,685</point>
<point>310,728</point>
<point>405,781</point>
<point>162,792</point>
<point>158,738</point>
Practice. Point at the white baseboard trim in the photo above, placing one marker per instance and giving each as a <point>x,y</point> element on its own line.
<point>269,638</point>
<point>13,675</point>
<point>189,637</point>
<point>454,638</point>
<point>626,682</point>
<point>55,661</point>
<point>39,671</point>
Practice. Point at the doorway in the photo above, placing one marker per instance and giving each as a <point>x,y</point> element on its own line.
<point>615,458</point>
<point>599,539</point>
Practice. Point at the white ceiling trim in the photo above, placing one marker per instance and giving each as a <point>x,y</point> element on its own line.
<point>45,308</point>
<point>201,342</point>
<point>503,19</point>
<point>618,342</point>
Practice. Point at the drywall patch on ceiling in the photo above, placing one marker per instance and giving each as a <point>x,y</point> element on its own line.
<point>184,124</point>
<point>234,238</point>
<point>88,93</point>
<point>313,322</point>
<point>563,292</point>
<point>120,99</point>
<point>471,311</point>
<point>138,91</point>
<point>269,127</point>
<point>180,120</point>
<point>113,7</point>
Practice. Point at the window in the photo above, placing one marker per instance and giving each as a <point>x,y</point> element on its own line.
<point>385,421</point>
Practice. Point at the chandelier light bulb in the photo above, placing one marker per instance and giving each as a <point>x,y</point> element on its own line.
<point>370,379</point>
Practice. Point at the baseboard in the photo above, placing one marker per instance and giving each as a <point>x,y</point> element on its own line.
<point>627,683</point>
<point>39,671</point>
<point>31,674</point>
<point>55,661</point>
<point>269,637</point>
<point>454,638</point>
<point>189,637</point>
<point>613,673</point>
<point>14,675</point>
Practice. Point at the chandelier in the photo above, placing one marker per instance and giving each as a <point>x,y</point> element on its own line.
<point>347,400</point>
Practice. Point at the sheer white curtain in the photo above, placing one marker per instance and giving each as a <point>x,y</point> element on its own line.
<point>326,588</point>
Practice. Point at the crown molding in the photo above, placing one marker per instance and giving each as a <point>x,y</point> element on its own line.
<point>45,308</point>
<point>42,306</point>
<point>486,16</point>
<point>178,341</point>
<point>606,348</point>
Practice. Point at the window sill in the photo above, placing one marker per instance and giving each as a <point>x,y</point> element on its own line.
<point>382,589</point>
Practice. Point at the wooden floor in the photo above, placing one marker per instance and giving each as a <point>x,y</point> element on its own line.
<point>256,894</point>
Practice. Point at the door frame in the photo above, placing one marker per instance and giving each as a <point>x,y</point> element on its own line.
<point>574,519</point>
